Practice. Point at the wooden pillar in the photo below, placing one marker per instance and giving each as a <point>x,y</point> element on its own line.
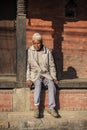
<point>21,43</point>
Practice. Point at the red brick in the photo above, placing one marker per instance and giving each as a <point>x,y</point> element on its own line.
<point>65,99</point>
<point>6,98</point>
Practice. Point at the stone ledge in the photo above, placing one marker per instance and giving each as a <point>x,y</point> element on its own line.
<point>63,84</point>
<point>73,84</point>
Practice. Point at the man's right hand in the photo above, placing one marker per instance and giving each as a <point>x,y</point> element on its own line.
<point>29,83</point>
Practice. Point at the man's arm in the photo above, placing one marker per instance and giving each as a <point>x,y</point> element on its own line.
<point>28,72</point>
<point>52,68</point>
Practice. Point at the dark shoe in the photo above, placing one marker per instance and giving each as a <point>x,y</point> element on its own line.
<point>36,112</point>
<point>53,112</point>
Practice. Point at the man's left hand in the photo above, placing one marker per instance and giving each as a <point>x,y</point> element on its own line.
<point>56,81</point>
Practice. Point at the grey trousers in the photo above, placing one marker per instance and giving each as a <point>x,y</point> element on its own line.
<point>51,92</point>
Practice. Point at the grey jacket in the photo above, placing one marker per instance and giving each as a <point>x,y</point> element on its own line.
<point>45,67</point>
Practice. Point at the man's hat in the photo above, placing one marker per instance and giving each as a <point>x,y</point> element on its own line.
<point>36,36</point>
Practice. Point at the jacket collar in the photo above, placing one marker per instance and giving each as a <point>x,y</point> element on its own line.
<point>43,49</point>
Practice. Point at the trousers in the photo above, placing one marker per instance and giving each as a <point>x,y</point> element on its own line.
<point>51,92</point>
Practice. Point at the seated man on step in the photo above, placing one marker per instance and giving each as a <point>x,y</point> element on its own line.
<point>41,69</point>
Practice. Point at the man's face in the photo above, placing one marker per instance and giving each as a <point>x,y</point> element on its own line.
<point>37,44</point>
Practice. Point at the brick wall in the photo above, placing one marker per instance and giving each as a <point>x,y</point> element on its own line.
<point>65,100</point>
<point>6,100</point>
<point>22,100</point>
<point>74,48</point>
<point>67,37</point>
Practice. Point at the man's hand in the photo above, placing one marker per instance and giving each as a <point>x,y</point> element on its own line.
<point>29,83</point>
<point>56,81</point>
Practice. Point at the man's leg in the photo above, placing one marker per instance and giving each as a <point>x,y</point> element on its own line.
<point>37,92</point>
<point>52,94</point>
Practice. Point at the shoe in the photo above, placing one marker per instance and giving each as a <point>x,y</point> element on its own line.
<point>36,112</point>
<point>53,112</point>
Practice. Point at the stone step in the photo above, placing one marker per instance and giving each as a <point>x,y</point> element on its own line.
<point>69,120</point>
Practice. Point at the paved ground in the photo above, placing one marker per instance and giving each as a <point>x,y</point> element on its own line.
<point>70,120</point>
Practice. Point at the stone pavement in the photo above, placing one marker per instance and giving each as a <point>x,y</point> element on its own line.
<point>69,120</point>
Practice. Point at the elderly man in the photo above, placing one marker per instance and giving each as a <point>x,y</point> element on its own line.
<point>41,69</point>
